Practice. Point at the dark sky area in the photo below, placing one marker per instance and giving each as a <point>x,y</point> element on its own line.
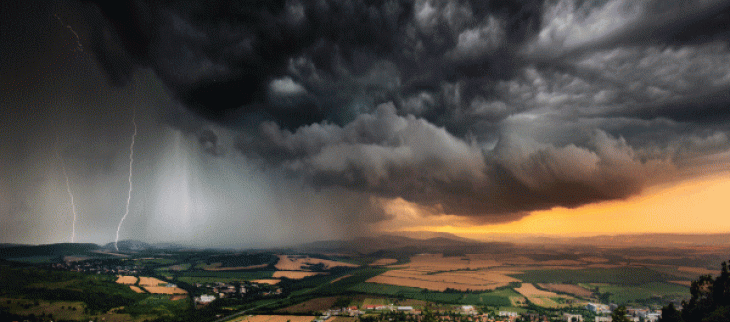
<point>266,123</point>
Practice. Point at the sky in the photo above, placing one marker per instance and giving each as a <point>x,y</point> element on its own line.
<point>272,123</point>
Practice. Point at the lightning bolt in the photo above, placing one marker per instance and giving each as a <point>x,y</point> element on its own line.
<point>70,194</point>
<point>129,196</point>
<point>79,46</point>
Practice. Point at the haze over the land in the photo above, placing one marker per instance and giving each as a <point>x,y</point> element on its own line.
<point>278,122</point>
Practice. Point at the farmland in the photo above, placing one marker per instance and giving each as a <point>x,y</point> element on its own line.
<point>302,262</point>
<point>571,289</point>
<point>542,298</point>
<point>463,281</point>
<point>169,285</point>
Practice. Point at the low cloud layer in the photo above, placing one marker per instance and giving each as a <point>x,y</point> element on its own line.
<point>483,109</point>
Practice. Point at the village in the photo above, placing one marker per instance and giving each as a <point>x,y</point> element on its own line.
<point>464,313</point>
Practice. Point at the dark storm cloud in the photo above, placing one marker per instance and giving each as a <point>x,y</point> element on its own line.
<point>489,109</point>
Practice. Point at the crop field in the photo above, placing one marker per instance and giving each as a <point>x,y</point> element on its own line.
<point>192,277</point>
<point>165,290</point>
<point>500,297</point>
<point>459,280</point>
<point>567,288</point>
<point>178,267</point>
<point>676,273</point>
<point>698,270</point>
<point>624,294</point>
<point>150,281</point>
<point>627,275</point>
<point>384,261</point>
<point>303,263</point>
<point>274,318</point>
<point>542,298</point>
<point>294,275</point>
<point>127,280</point>
<point>270,281</point>
<point>136,289</point>
<point>439,263</point>
<point>235,268</point>
<point>153,261</point>
<point>317,304</point>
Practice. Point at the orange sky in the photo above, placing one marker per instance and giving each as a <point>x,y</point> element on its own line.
<point>699,205</point>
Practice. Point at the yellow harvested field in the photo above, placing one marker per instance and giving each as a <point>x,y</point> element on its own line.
<point>136,289</point>
<point>164,290</point>
<point>461,280</point>
<point>540,297</point>
<point>567,288</point>
<point>274,318</point>
<point>594,259</point>
<point>683,283</point>
<point>529,290</point>
<point>150,281</point>
<point>302,263</point>
<point>270,281</point>
<point>238,268</point>
<point>127,280</point>
<point>698,270</point>
<point>294,275</point>
<point>384,261</point>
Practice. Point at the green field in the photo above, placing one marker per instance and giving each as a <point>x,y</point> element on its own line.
<point>158,305</point>
<point>241,276</point>
<point>179,267</point>
<point>496,298</point>
<point>620,276</point>
<point>76,296</point>
<point>631,294</point>
<point>153,261</point>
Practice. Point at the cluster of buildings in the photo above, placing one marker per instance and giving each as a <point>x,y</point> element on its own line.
<point>222,290</point>
<point>97,267</point>
<point>633,314</point>
<point>468,313</point>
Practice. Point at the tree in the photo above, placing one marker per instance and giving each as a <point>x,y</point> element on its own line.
<point>710,299</point>
<point>670,314</point>
<point>619,315</point>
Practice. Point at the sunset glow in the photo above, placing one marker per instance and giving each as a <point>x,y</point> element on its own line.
<point>693,206</point>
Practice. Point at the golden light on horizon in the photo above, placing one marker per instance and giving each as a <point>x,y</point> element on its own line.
<point>698,205</point>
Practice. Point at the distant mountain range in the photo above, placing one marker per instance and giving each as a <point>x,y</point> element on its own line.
<point>440,242</point>
<point>629,240</point>
<point>62,249</point>
<point>397,244</point>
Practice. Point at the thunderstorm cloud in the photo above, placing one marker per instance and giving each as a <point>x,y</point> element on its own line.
<point>483,109</point>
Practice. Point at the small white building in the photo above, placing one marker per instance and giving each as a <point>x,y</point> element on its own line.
<point>205,298</point>
<point>508,313</point>
<point>603,319</point>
